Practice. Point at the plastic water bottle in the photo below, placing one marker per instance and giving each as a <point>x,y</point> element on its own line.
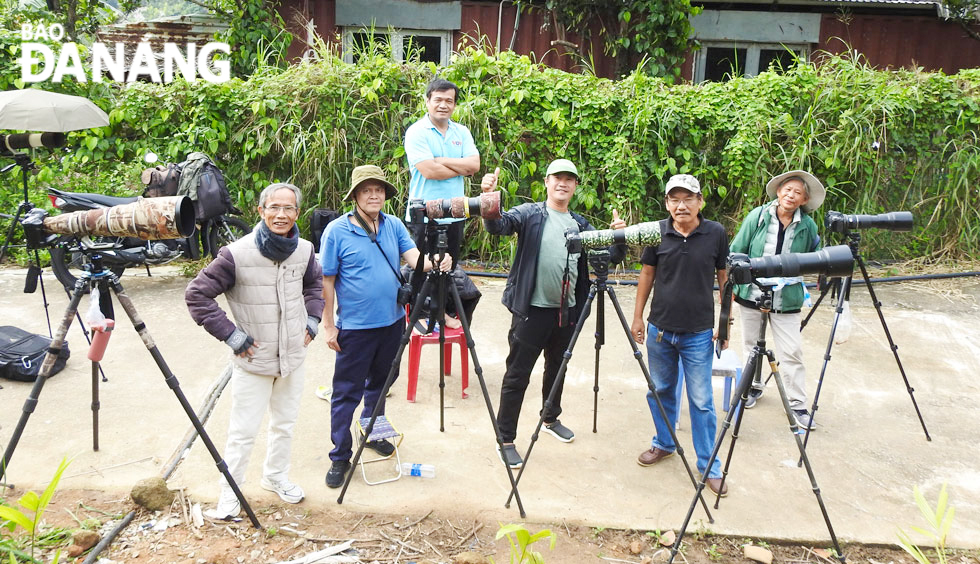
<point>418,470</point>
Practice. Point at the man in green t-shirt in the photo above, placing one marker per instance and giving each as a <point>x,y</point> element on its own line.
<point>545,287</point>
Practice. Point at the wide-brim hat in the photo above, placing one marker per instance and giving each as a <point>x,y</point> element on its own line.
<point>363,173</point>
<point>814,188</point>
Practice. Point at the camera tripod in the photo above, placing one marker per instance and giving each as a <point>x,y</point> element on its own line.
<point>101,279</point>
<point>854,241</point>
<point>437,279</point>
<point>34,271</point>
<point>737,409</point>
<point>599,261</point>
<point>23,160</point>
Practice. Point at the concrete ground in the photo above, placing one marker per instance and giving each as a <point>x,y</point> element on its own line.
<point>867,454</point>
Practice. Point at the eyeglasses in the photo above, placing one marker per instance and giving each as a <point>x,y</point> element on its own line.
<point>690,201</point>
<point>288,210</point>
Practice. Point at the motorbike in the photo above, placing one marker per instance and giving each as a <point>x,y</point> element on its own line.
<point>68,254</point>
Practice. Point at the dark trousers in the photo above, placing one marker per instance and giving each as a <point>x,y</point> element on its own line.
<point>540,331</point>
<point>360,371</point>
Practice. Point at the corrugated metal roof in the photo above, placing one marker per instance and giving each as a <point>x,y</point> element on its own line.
<point>198,29</point>
<point>931,5</point>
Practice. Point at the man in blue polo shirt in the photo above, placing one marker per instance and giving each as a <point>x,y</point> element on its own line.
<point>360,253</point>
<point>440,154</point>
<point>681,271</point>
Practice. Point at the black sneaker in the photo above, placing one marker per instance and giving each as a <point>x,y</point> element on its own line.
<point>510,457</point>
<point>382,447</point>
<point>754,394</point>
<point>559,431</point>
<point>803,419</point>
<point>338,471</point>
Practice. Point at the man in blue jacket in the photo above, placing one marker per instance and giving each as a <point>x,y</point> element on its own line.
<point>545,286</point>
<point>781,226</point>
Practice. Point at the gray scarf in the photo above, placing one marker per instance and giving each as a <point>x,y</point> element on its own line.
<point>273,246</point>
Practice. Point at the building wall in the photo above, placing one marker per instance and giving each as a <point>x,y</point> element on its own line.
<point>901,41</point>
<point>886,41</point>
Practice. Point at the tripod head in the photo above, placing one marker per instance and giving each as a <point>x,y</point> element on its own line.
<point>599,261</point>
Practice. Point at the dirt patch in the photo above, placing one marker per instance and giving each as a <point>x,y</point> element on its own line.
<point>291,532</point>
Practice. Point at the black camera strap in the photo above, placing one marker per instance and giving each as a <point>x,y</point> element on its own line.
<point>374,239</point>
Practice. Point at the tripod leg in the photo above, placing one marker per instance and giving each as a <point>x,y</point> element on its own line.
<point>794,428</point>
<point>823,294</point>
<point>440,314</point>
<point>13,225</point>
<point>738,403</point>
<point>600,339</point>
<point>403,342</point>
<point>46,366</point>
<point>174,385</point>
<point>549,401</point>
<point>892,345</point>
<point>95,405</point>
<point>471,345</point>
<point>653,389</point>
<point>845,291</point>
<point>752,366</point>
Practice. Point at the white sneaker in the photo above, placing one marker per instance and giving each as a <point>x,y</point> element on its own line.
<point>228,508</point>
<point>288,491</point>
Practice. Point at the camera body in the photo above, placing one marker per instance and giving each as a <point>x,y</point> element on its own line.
<point>404,294</point>
<point>416,211</point>
<point>837,222</point>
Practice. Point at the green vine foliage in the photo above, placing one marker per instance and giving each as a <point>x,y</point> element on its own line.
<point>880,140</point>
<point>255,32</point>
<point>654,33</point>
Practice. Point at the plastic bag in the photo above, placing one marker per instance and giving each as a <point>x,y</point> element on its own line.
<point>843,332</point>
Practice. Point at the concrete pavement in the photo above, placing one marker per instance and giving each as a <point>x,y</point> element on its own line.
<point>867,454</point>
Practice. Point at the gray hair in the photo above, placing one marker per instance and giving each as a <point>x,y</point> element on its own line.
<point>800,178</point>
<point>272,188</point>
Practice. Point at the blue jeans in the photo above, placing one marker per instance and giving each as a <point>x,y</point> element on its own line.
<point>694,351</point>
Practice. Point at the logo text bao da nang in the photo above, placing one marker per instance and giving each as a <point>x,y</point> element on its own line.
<point>121,62</point>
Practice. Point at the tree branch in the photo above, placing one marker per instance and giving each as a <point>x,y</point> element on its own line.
<point>969,31</point>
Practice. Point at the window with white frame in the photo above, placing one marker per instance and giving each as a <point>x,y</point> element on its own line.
<point>724,60</point>
<point>427,45</point>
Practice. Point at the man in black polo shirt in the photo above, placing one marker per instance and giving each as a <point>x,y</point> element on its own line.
<point>681,270</point>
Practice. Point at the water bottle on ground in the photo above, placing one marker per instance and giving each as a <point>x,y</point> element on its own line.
<point>418,470</point>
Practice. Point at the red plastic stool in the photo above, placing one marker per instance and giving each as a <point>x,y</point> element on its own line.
<point>453,336</point>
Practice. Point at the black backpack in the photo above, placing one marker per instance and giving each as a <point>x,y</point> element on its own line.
<point>21,354</point>
<point>318,222</point>
<point>213,198</point>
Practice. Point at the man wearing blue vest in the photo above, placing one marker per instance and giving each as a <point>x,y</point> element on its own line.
<point>440,154</point>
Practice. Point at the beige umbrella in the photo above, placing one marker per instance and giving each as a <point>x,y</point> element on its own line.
<point>38,110</point>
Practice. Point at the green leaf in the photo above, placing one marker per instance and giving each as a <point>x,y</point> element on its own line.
<point>14,516</point>
<point>29,501</point>
<point>91,142</point>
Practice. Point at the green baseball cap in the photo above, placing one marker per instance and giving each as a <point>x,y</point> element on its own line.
<point>562,165</point>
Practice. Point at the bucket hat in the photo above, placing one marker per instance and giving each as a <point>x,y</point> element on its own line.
<point>363,173</point>
<point>814,188</point>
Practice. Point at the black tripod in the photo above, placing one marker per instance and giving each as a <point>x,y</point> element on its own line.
<point>104,280</point>
<point>854,242</point>
<point>437,305</point>
<point>599,261</point>
<point>737,409</point>
<point>23,160</point>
